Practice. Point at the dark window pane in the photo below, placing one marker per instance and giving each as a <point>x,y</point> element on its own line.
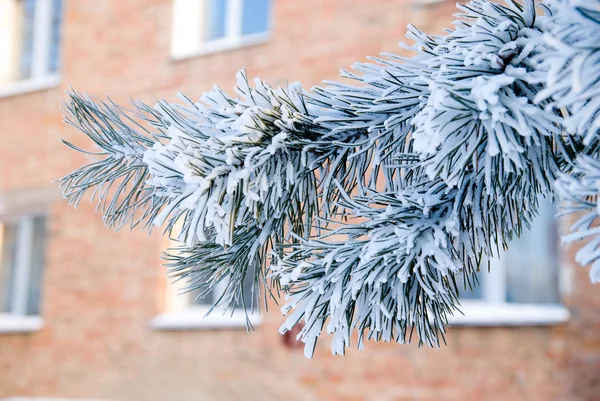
<point>195,298</point>
<point>470,289</point>
<point>532,261</point>
<point>7,266</point>
<point>38,247</point>
<point>249,298</point>
<point>27,38</point>
<point>211,297</point>
<point>255,16</point>
<point>55,36</point>
<point>215,19</point>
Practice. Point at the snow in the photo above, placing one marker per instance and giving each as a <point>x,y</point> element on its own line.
<point>373,198</point>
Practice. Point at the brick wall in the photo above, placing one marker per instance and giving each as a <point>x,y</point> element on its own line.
<point>101,288</point>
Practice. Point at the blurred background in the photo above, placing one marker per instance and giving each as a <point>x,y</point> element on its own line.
<point>86,313</point>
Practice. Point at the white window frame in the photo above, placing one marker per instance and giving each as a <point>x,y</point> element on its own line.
<point>40,78</point>
<point>233,38</point>
<point>17,320</point>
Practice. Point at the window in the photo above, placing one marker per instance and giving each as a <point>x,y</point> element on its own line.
<point>22,250</point>
<point>30,33</point>
<point>188,311</point>
<point>206,26</point>
<point>522,286</point>
<point>184,311</point>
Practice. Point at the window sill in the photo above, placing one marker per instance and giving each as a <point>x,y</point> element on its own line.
<point>20,324</point>
<point>196,320</point>
<point>218,46</point>
<point>485,314</point>
<point>29,85</point>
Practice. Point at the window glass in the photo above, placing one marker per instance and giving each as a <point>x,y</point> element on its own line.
<point>27,25</point>
<point>215,19</point>
<point>470,289</point>
<point>255,16</point>
<point>532,261</point>
<point>196,299</point>
<point>213,296</point>
<point>55,36</point>
<point>8,236</point>
<point>38,248</point>
<point>528,271</point>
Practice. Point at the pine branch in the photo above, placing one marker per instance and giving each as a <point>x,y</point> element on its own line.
<point>117,177</point>
<point>374,199</point>
<point>570,73</point>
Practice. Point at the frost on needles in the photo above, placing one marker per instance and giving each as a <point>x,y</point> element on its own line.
<point>368,206</point>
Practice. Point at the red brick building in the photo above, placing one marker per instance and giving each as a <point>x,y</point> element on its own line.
<point>86,313</point>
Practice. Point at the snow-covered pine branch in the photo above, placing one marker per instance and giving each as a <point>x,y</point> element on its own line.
<point>118,176</point>
<point>471,156</point>
<point>225,172</point>
<point>377,202</point>
<point>570,71</point>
